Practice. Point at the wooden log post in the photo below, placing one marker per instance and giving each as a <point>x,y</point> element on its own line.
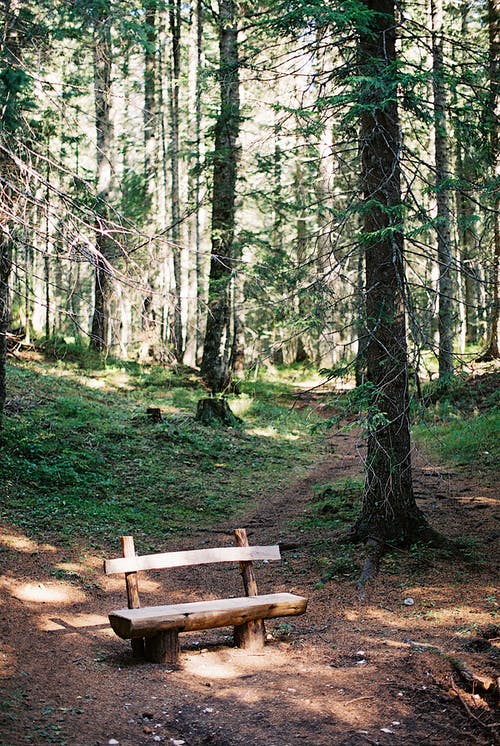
<point>128,550</point>
<point>163,648</point>
<point>251,635</point>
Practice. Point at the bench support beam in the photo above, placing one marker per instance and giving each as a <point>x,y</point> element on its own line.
<point>251,635</point>
<point>128,550</point>
<point>163,648</point>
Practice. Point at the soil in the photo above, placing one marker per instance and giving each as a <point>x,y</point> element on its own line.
<point>349,672</point>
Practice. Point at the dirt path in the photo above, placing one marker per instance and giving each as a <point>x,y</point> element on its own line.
<point>345,673</point>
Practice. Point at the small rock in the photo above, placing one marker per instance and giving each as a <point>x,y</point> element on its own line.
<point>408,601</point>
<point>113,742</point>
<point>361,653</point>
<point>386,730</point>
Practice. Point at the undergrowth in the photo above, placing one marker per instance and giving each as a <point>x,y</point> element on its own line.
<point>82,460</point>
<point>335,507</point>
<point>459,421</point>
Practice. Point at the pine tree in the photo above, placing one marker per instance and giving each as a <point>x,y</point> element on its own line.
<point>215,364</point>
<point>389,510</point>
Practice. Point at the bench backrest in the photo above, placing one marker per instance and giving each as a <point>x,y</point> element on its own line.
<point>191,557</point>
<point>130,563</point>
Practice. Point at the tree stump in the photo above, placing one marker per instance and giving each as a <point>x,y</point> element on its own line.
<point>154,414</point>
<point>215,412</point>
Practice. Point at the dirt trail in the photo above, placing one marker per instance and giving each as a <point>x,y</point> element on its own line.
<point>345,673</point>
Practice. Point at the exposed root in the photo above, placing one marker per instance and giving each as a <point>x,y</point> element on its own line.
<point>376,550</point>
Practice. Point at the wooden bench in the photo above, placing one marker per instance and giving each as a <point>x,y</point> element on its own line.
<point>154,630</point>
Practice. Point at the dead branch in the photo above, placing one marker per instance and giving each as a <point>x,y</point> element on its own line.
<point>488,727</point>
<point>472,679</point>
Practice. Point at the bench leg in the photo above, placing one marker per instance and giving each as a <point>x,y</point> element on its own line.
<point>251,635</point>
<point>163,648</point>
<point>138,647</point>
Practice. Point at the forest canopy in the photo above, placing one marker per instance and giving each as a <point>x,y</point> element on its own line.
<point>183,181</point>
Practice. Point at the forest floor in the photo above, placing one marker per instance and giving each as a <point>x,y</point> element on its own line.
<point>348,672</point>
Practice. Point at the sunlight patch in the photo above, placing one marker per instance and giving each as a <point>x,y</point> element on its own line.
<point>73,622</point>
<point>271,432</point>
<point>23,544</point>
<point>232,663</point>
<point>94,383</point>
<point>7,661</point>
<point>43,593</point>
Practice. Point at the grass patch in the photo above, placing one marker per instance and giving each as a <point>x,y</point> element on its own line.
<point>81,459</point>
<point>470,442</point>
<point>458,420</point>
<point>335,507</point>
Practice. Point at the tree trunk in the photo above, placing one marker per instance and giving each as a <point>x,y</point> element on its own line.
<point>149,311</point>
<point>492,351</point>
<point>215,367</point>
<point>175,71</point>
<point>104,134</point>
<point>445,316</point>
<point>467,217</point>
<point>5,266</point>
<point>389,511</point>
<point>360,362</point>
<point>197,187</point>
<point>10,119</point>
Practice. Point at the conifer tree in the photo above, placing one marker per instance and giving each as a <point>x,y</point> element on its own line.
<point>218,341</point>
<point>389,510</point>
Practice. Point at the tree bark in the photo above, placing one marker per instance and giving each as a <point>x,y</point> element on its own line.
<point>389,510</point>
<point>150,311</point>
<point>215,364</point>
<point>445,314</point>
<point>5,266</point>
<point>197,185</point>
<point>175,71</point>
<point>10,121</point>
<point>104,134</point>
<point>492,351</point>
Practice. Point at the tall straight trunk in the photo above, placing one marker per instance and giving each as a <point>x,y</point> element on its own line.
<point>192,280</point>
<point>150,312</point>
<point>5,267</point>
<point>197,177</point>
<point>493,349</point>
<point>46,252</point>
<point>389,511</point>
<point>360,361</point>
<point>175,71</point>
<point>10,119</point>
<point>442,166</point>
<point>215,364</point>
<point>466,210</point>
<point>466,220</point>
<point>104,154</point>
<point>150,106</point>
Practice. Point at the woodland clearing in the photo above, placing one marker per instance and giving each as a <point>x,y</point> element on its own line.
<point>385,670</point>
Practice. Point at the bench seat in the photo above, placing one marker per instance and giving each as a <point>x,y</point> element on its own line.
<point>149,621</point>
